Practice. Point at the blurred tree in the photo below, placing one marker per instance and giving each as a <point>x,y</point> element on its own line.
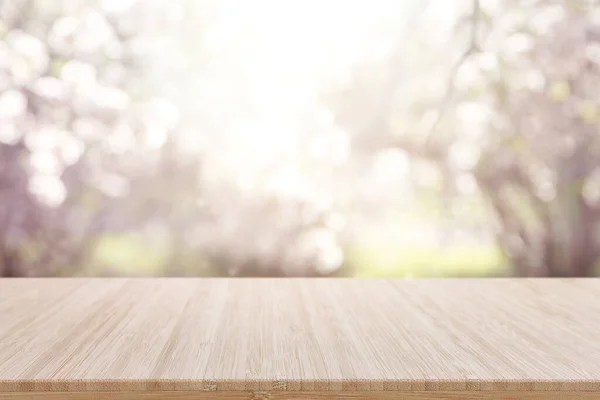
<point>99,138</point>
<point>519,118</point>
<point>72,132</point>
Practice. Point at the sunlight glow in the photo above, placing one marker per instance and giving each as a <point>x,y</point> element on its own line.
<point>285,53</point>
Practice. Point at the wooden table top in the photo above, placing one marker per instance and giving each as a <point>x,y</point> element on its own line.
<point>299,338</point>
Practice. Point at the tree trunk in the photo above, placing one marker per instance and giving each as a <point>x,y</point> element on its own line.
<point>578,258</point>
<point>9,267</point>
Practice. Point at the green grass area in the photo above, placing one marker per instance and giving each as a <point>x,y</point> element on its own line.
<point>414,261</point>
<point>133,255</point>
<point>130,255</point>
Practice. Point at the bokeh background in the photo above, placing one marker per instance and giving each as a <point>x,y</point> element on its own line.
<point>299,138</point>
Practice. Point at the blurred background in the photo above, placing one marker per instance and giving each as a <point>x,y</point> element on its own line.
<point>413,138</point>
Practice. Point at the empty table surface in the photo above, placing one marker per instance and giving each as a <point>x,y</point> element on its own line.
<point>299,338</point>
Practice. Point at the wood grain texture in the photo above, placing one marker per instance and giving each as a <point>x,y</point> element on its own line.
<point>284,338</point>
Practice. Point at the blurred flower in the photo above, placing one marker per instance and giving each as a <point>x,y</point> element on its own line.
<point>13,104</point>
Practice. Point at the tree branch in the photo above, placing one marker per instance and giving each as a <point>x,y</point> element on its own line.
<point>472,48</point>
<point>427,149</point>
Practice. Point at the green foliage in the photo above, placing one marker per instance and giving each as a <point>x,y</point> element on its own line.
<point>423,261</point>
<point>129,254</point>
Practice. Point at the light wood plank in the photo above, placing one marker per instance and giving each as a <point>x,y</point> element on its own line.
<point>281,338</point>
